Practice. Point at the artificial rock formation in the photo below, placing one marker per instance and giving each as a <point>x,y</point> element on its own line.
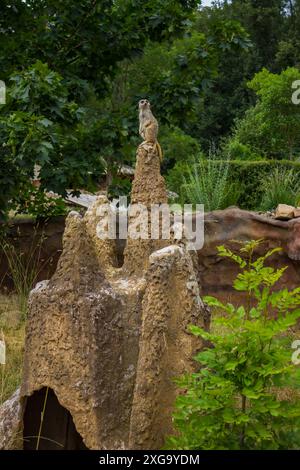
<point>165,350</point>
<point>148,188</point>
<point>104,342</point>
<point>216,274</point>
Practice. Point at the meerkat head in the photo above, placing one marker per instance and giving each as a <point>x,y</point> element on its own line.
<point>143,104</point>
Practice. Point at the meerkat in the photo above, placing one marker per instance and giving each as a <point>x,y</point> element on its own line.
<point>148,126</point>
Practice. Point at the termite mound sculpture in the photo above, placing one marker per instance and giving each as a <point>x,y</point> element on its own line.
<point>103,341</point>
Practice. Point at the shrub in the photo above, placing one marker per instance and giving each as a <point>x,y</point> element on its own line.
<point>177,146</point>
<point>248,175</point>
<point>175,178</point>
<point>207,183</point>
<point>281,186</point>
<point>119,187</point>
<point>40,204</point>
<point>233,401</point>
<point>272,126</point>
<point>235,150</point>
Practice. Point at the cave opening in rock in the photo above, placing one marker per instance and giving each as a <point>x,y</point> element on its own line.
<point>57,431</point>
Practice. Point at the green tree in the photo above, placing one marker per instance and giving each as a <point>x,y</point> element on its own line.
<point>273,32</point>
<point>57,57</point>
<point>233,401</point>
<point>175,76</point>
<point>85,39</point>
<point>37,127</point>
<point>265,22</point>
<point>288,52</point>
<point>272,126</point>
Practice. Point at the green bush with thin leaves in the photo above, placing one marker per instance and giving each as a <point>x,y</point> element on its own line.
<point>234,400</point>
<point>281,186</point>
<point>207,182</point>
<point>247,176</point>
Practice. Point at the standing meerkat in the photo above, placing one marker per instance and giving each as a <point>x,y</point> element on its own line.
<point>148,126</point>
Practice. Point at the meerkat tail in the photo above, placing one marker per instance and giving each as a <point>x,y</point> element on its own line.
<point>159,151</point>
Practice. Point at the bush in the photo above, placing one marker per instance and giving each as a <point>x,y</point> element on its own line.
<point>281,186</point>
<point>235,150</point>
<point>207,183</point>
<point>272,126</point>
<point>248,175</point>
<point>40,204</point>
<point>119,187</point>
<point>177,146</point>
<point>234,401</point>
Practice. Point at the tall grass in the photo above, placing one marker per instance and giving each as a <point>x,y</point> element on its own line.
<point>24,268</point>
<point>208,183</point>
<point>281,186</point>
<point>12,331</point>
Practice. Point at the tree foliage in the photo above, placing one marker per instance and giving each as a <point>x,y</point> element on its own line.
<point>37,127</point>
<point>56,58</point>
<point>76,71</point>
<point>85,39</point>
<point>272,126</point>
<point>235,400</point>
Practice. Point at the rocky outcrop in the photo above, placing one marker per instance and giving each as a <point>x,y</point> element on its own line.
<point>148,188</point>
<point>165,352</point>
<point>74,342</point>
<point>216,274</point>
<point>108,341</point>
<point>237,224</point>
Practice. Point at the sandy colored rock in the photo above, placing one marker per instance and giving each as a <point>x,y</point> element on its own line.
<point>297,212</point>
<point>148,188</point>
<point>79,343</point>
<point>170,304</point>
<point>107,342</point>
<point>284,212</point>
<point>148,185</point>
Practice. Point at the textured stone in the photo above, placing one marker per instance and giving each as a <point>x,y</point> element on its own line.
<point>171,302</point>
<point>284,212</point>
<point>148,188</point>
<point>109,341</point>
<point>216,274</point>
<point>297,212</point>
<point>10,423</point>
<point>148,185</point>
